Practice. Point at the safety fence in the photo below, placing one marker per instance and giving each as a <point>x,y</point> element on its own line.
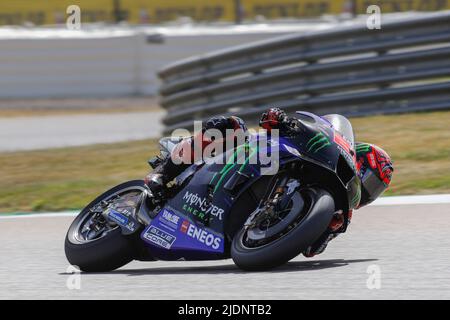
<point>403,67</point>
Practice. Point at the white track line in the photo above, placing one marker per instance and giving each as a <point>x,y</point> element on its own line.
<point>383,201</point>
<point>39,215</point>
<point>402,200</point>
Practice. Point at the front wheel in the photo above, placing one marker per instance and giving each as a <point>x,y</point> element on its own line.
<point>95,244</point>
<point>277,240</point>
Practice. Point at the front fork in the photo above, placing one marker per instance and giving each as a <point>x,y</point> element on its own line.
<point>281,187</point>
<point>273,200</point>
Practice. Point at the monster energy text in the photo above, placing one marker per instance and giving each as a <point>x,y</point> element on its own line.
<point>199,207</point>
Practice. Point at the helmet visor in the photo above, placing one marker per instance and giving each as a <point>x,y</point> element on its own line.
<point>373,185</point>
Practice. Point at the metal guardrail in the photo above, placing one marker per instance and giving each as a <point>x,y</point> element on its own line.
<point>403,67</point>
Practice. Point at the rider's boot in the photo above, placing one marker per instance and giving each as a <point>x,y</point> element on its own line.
<point>157,180</point>
<point>155,183</point>
<point>321,244</point>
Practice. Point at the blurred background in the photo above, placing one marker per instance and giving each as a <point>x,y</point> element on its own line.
<point>139,12</point>
<point>81,110</point>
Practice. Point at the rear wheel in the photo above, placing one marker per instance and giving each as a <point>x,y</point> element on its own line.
<point>95,244</point>
<point>282,235</point>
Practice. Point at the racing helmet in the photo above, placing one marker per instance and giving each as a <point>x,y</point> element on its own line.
<point>375,170</point>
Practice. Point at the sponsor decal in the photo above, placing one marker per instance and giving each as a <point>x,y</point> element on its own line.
<point>169,219</point>
<point>244,152</point>
<point>372,161</point>
<point>118,217</point>
<point>201,235</point>
<point>345,148</point>
<point>362,148</point>
<point>122,217</point>
<point>184,226</point>
<point>199,206</point>
<point>159,237</point>
<point>340,140</point>
<point>318,142</point>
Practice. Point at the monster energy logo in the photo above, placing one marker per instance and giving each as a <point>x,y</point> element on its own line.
<point>231,164</point>
<point>200,207</point>
<point>362,148</point>
<point>318,142</point>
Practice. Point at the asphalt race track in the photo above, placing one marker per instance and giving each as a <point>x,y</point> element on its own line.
<point>408,244</point>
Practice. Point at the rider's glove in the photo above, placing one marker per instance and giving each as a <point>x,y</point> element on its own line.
<point>222,123</point>
<point>274,118</point>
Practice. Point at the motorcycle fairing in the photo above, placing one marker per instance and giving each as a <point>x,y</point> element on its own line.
<point>181,235</point>
<point>201,208</point>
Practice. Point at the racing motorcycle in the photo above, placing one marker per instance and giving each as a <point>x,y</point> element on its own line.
<point>217,211</point>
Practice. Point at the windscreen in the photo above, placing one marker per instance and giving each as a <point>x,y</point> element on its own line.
<point>343,126</point>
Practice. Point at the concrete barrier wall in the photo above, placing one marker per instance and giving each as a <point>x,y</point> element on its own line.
<point>99,66</point>
<point>70,67</point>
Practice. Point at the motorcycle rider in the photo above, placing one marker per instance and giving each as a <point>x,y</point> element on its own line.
<point>168,169</point>
<point>373,164</point>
